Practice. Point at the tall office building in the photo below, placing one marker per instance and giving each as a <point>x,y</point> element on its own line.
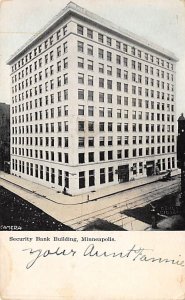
<point>93,105</point>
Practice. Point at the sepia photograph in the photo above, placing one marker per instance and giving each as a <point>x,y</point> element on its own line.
<point>92,149</point>
<point>92,126</point>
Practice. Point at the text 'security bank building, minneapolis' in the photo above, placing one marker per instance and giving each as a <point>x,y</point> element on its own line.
<point>93,105</point>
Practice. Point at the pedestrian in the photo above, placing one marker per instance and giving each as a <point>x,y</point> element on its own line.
<point>154,216</point>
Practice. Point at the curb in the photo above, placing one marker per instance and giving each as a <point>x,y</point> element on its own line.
<point>87,201</point>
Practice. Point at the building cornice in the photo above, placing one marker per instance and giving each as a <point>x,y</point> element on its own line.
<point>76,10</point>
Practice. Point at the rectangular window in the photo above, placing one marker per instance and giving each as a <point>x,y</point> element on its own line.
<point>109,84</point>
<point>90,65</point>
<point>119,140</point>
<point>102,175</point>
<point>118,72</point>
<point>100,37</point>
<point>65,78</point>
<point>101,68</point>
<point>81,142</point>
<point>118,45</point>
<point>89,50</point>
<point>91,156</point>
<point>80,125</point>
<point>65,63</point>
<point>65,94</point>
<point>90,80</point>
<point>80,29</point>
<point>109,56</point>
<point>80,62</point>
<point>66,179</point>
<point>110,140</point>
<point>90,126</point>
<point>102,141</point>
<point>90,95</point>
<point>60,177</point>
<point>118,59</point>
<point>100,53</point>
<point>109,70</point>
<point>81,180</point>
<point>81,158</point>
<point>125,62</point>
<point>125,88</point>
<point>110,155</point>
<point>81,110</point>
<point>101,82</point>
<point>80,46</point>
<point>65,30</point>
<point>90,111</point>
<point>89,33</point>
<point>81,94</point>
<point>91,141</point>
<point>91,177</point>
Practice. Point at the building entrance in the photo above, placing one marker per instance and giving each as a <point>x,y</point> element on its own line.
<point>123,173</point>
<point>150,167</point>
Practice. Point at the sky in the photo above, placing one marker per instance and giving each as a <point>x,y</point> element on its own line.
<point>159,21</point>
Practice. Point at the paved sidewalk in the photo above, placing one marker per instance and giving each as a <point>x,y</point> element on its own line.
<point>67,209</point>
<point>51,194</point>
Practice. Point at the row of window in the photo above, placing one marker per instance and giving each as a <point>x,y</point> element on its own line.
<point>85,178</point>
<point>58,177</point>
<point>38,171</point>
<point>90,111</point>
<point>123,47</point>
<point>126,75</point>
<point>110,140</point>
<point>38,89</point>
<point>39,64</point>
<point>119,113</point>
<point>126,127</point>
<point>90,95</point>
<point>48,72</point>
<point>90,126</point>
<point>102,54</point>
<point>90,79</point>
<point>49,99</point>
<point>55,37</point>
<point>42,47</point>
<point>90,156</point>
<point>103,141</point>
<point>126,63</point>
<point>49,86</point>
<point>126,88</point>
<point>101,67</point>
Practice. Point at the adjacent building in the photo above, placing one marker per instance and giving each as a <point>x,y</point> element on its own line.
<point>4,135</point>
<point>93,105</point>
<point>181,140</point>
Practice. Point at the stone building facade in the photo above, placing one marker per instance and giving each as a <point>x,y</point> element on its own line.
<point>93,105</point>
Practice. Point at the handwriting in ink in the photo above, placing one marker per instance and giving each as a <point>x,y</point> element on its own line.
<point>134,254</point>
<point>40,253</point>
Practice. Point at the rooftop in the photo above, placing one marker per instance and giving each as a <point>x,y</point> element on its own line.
<point>77,10</point>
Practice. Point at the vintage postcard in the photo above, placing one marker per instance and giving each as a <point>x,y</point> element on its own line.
<point>92,149</point>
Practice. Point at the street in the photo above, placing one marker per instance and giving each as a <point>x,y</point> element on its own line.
<point>18,214</point>
<point>109,210</point>
<point>131,199</point>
